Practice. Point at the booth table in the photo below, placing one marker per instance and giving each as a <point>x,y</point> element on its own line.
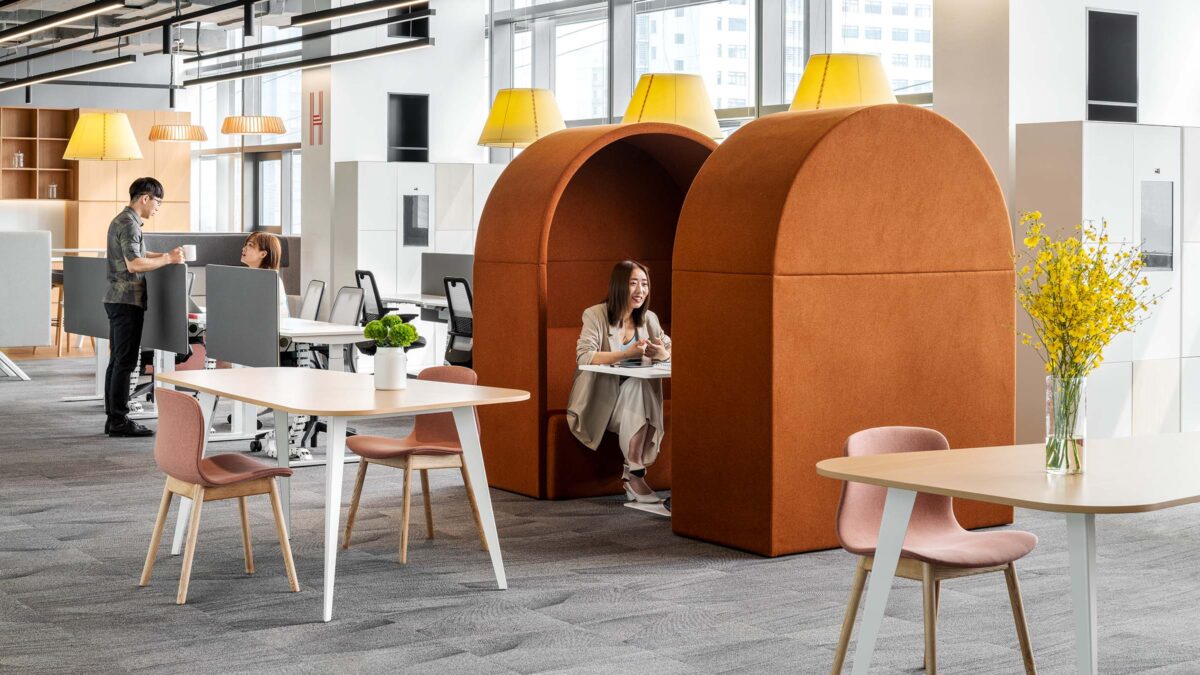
<point>340,396</point>
<point>657,371</point>
<point>1122,475</point>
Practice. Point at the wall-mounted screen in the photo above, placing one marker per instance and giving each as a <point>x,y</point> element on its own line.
<point>1112,58</point>
<point>1158,226</point>
<point>416,220</point>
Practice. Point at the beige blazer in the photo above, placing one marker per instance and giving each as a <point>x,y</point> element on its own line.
<point>594,395</point>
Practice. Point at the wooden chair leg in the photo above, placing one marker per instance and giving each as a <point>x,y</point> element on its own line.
<point>474,507</point>
<point>1018,610</point>
<point>60,337</point>
<point>856,590</point>
<point>246,545</point>
<point>284,545</point>
<point>358,486</point>
<point>928,591</point>
<point>164,505</point>
<point>404,515</point>
<point>189,552</point>
<point>428,503</point>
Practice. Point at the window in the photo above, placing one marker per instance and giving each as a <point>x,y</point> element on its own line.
<point>581,67</point>
<point>873,33</point>
<point>900,34</point>
<point>679,68</point>
<point>873,7</point>
<point>654,52</point>
<point>923,10</point>
<point>737,78</point>
<point>895,49</point>
<point>719,74</point>
<point>849,5</point>
<point>736,51</point>
<point>794,58</point>
<point>900,60</point>
<point>923,61</point>
<point>698,25</point>
<point>679,12</point>
<point>737,25</point>
<point>897,85</point>
<point>720,23</point>
<point>719,51</point>
<point>899,9</point>
<point>850,31</point>
<point>923,35</point>
<point>653,26</point>
<point>793,44</point>
<point>679,38</point>
<point>736,103</point>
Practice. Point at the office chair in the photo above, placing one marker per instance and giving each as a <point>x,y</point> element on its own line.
<point>311,307</point>
<point>347,308</point>
<point>460,332</point>
<point>373,304</point>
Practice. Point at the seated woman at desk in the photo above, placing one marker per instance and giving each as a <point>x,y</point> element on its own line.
<point>622,327</point>
<point>263,251</point>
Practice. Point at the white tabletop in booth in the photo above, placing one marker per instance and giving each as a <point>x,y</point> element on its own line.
<point>658,371</point>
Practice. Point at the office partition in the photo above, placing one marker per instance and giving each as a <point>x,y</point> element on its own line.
<point>242,316</point>
<point>437,266</point>
<point>24,293</point>
<point>85,280</point>
<point>166,323</point>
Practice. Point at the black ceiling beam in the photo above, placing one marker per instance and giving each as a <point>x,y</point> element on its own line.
<point>312,63</point>
<point>173,19</point>
<point>314,35</point>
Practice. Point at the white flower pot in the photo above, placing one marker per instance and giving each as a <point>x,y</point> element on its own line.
<point>391,368</point>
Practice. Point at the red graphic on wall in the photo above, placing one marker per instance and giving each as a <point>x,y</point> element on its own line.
<point>316,118</point>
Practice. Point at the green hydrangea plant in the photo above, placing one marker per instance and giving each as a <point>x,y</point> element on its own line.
<point>390,331</point>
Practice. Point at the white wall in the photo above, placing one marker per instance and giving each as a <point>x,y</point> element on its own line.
<point>27,215</point>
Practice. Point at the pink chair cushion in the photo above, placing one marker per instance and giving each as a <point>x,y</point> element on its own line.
<point>381,447</point>
<point>180,437</point>
<point>230,468</point>
<point>934,534</point>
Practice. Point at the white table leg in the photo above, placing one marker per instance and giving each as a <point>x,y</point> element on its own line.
<point>164,362</point>
<point>1081,543</point>
<point>335,451</point>
<point>101,361</point>
<point>896,511</point>
<point>10,369</point>
<point>282,453</point>
<point>337,358</point>
<point>208,402</point>
<point>468,436</point>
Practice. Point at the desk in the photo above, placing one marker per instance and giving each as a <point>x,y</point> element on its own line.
<point>658,371</point>
<point>312,332</point>
<point>422,300</point>
<point>1123,475</point>
<point>339,397</point>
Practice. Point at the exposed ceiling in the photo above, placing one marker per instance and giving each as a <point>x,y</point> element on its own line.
<point>210,33</point>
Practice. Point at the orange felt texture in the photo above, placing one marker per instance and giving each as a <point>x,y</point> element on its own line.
<point>563,212</point>
<point>865,253</point>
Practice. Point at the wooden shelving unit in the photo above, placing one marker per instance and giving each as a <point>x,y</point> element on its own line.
<point>41,135</point>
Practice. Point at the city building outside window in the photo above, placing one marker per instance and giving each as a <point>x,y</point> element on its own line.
<point>737,78</point>
<point>849,31</point>
<point>737,25</point>
<point>923,10</point>
<point>900,60</point>
<point>873,33</point>
<point>900,34</point>
<point>849,5</point>
<point>873,7</point>
<point>923,35</point>
<point>899,9</point>
<point>679,38</point>
<point>923,61</point>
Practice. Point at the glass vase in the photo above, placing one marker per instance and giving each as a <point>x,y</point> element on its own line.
<point>1066,424</point>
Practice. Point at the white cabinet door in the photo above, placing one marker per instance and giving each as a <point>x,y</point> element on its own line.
<point>1189,400</point>
<point>1190,180</point>
<point>377,196</point>
<point>415,181</point>
<point>1109,401</point>
<point>1189,293</point>
<point>1156,396</point>
<point>377,253</point>
<point>1108,159</point>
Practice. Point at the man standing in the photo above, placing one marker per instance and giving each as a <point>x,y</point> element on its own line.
<point>125,301</point>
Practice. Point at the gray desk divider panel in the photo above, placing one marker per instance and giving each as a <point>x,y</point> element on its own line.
<point>24,289</point>
<point>225,248</point>
<point>166,323</point>
<point>437,266</point>
<point>85,281</point>
<point>242,313</point>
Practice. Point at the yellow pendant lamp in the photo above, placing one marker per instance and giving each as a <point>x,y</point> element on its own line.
<point>103,136</point>
<point>841,80</point>
<point>674,98</point>
<point>182,133</point>
<point>251,125</point>
<point>519,117</point>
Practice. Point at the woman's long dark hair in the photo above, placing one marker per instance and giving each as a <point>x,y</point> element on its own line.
<point>618,293</point>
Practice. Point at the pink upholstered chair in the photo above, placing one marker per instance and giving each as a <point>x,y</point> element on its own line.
<point>433,444</point>
<point>178,449</point>
<point>935,548</point>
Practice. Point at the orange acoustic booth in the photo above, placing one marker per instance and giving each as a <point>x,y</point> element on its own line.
<point>834,270</point>
<point>563,212</point>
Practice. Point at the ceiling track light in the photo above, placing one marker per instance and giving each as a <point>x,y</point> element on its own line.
<point>312,63</point>
<point>352,10</point>
<point>67,72</point>
<point>59,19</point>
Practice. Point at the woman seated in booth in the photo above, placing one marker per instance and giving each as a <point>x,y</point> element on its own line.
<point>262,250</point>
<point>621,328</point>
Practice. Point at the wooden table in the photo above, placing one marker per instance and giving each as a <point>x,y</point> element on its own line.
<point>656,372</point>
<point>1123,475</point>
<point>338,397</point>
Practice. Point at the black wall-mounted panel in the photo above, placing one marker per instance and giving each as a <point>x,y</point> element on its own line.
<point>1112,57</point>
<point>1112,113</point>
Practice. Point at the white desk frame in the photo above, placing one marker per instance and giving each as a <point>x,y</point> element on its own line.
<point>10,369</point>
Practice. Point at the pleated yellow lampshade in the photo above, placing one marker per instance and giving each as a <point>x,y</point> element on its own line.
<point>178,132</point>
<point>252,125</point>
<point>841,80</point>
<point>520,117</point>
<point>103,136</point>
<point>673,98</point>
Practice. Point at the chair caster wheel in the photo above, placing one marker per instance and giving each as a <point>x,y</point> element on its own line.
<point>259,423</point>
<point>256,445</point>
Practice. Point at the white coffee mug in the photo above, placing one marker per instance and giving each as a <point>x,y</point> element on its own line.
<point>189,252</point>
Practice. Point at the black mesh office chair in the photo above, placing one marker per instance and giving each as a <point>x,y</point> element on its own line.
<point>460,332</point>
<point>373,304</point>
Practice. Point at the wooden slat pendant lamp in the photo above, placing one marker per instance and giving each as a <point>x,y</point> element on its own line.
<point>251,125</point>
<point>674,98</point>
<point>103,136</point>
<point>178,133</point>
<point>519,117</point>
<point>842,80</point>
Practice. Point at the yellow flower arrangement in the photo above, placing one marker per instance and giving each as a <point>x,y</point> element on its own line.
<point>1080,292</point>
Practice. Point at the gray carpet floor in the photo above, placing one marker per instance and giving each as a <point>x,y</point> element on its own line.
<point>593,587</point>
